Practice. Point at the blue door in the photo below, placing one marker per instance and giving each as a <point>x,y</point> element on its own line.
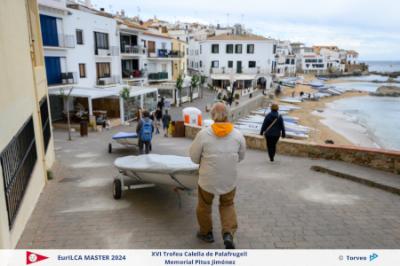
<point>53,69</point>
<point>48,26</point>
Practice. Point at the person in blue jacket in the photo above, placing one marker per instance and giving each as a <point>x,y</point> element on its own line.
<point>145,131</point>
<point>273,128</point>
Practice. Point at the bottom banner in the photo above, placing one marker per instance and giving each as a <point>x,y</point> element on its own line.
<point>47,257</point>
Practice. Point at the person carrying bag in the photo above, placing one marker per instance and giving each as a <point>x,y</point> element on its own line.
<point>273,128</point>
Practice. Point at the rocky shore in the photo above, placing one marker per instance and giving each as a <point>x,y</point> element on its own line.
<point>388,91</point>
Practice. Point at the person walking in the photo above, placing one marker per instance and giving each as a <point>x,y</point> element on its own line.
<point>145,131</point>
<point>218,149</point>
<point>157,116</point>
<point>273,128</point>
<point>166,119</point>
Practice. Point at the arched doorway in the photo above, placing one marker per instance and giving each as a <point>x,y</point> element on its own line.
<point>261,83</point>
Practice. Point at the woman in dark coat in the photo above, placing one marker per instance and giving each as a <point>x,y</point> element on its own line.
<point>273,128</point>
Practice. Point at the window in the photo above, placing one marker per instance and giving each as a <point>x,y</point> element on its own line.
<point>82,70</point>
<point>200,48</point>
<point>229,48</point>
<point>44,114</point>
<point>215,64</point>
<point>238,48</point>
<point>214,48</point>
<point>201,63</point>
<point>79,36</point>
<point>103,70</point>
<point>230,64</point>
<point>18,160</point>
<point>100,40</point>
<point>274,49</point>
<point>252,64</point>
<point>250,48</point>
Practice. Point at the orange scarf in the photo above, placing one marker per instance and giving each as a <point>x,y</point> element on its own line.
<point>222,129</point>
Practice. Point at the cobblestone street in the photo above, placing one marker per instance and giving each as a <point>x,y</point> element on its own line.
<point>280,205</point>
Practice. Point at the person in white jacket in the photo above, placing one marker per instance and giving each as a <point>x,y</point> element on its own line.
<point>218,149</point>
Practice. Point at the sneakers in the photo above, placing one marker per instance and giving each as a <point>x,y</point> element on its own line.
<point>228,241</point>
<point>209,237</point>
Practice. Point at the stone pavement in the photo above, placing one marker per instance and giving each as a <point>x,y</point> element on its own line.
<point>279,205</point>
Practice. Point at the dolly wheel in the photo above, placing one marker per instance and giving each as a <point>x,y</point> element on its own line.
<point>117,189</point>
<point>109,148</point>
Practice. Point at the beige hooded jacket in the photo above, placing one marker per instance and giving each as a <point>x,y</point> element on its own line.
<point>218,150</point>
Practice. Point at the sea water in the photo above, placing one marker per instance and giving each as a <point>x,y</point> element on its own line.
<point>367,120</point>
<point>383,66</point>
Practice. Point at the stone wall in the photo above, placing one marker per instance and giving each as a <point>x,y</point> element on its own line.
<point>375,158</point>
<point>250,105</point>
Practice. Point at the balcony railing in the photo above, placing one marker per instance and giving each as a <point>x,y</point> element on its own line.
<point>67,78</point>
<point>63,41</point>
<point>164,53</point>
<point>111,51</point>
<point>132,74</point>
<point>138,50</point>
<point>108,81</point>
<point>158,76</point>
<point>225,70</point>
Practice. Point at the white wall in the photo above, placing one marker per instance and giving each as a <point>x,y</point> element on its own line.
<point>263,55</point>
<point>85,53</point>
<point>156,65</point>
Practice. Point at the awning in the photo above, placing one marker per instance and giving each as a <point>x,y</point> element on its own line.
<point>234,77</point>
<point>93,93</point>
<point>96,93</point>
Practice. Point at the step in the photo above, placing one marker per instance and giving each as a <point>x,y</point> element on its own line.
<point>366,176</point>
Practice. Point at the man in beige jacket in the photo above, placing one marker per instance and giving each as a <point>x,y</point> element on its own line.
<point>218,149</point>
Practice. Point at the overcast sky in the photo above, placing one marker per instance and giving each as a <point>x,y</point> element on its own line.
<point>372,27</point>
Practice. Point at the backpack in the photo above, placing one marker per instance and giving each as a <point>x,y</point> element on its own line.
<point>146,132</point>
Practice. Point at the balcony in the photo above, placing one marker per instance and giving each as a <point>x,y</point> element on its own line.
<point>129,50</point>
<point>112,51</point>
<point>166,54</point>
<point>132,74</point>
<point>108,81</point>
<point>67,78</point>
<point>158,76</point>
<point>62,41</point>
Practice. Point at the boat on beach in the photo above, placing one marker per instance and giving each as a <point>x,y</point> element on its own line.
<point>291,100</point>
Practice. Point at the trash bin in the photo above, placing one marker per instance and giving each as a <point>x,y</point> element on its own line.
<point>84,128</point>
<point>179,129</point>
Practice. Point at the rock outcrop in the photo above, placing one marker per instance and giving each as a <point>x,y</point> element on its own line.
<point>391,91</point>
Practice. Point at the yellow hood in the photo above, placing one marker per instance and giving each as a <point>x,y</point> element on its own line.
<point>222,129</point>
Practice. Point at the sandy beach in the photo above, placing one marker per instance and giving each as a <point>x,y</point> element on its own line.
<point>310,115</point>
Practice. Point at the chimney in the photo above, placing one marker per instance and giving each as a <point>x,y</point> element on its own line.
<point>102,9</point>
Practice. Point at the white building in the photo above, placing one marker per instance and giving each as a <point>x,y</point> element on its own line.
<point>84,56</point>
<point>285,59</point>
<point>352,57</point>
<point>227,58</point>
<point>312,62</point>
<point>133,52</point>
<point>333,61</point>
<point>159,56</point>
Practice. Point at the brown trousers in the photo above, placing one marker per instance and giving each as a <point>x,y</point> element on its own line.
<point>226,211</point>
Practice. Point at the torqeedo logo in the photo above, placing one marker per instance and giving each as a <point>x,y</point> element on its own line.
<point>34,257</point>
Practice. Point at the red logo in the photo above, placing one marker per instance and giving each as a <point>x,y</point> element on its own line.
<point>34,257</point>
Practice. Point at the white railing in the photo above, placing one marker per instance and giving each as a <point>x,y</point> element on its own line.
<point>224,70</point>
<point>112,51</point>
<point>127,49</point>
<point>109,81</point>
<point>64,41</point>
